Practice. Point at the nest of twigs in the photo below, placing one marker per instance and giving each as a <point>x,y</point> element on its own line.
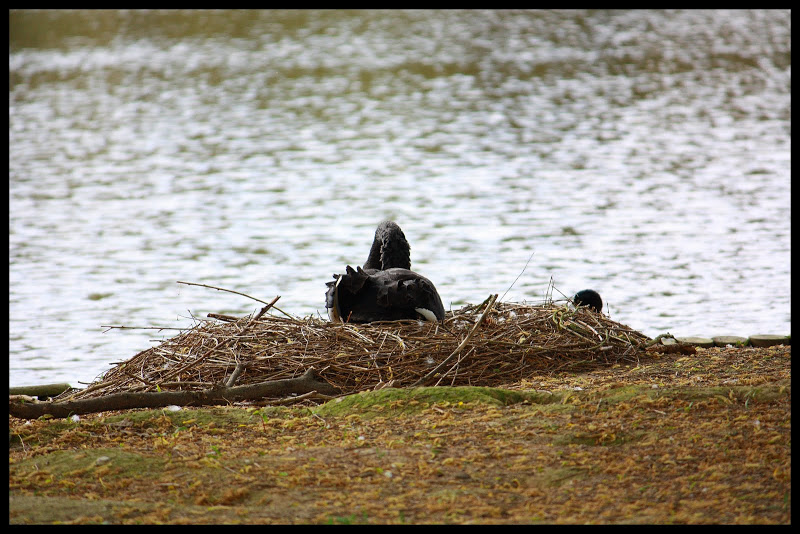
<point>510,343</point>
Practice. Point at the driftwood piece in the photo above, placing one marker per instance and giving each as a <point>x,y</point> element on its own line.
<point>305,383</point>
<point>41,391</point>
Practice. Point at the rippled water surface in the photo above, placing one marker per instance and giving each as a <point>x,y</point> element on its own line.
<point>644,154</point>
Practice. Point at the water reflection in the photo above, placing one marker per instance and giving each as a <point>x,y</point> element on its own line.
<point>642,153</point>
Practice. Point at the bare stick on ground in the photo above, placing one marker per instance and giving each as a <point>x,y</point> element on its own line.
<point>305,383</point>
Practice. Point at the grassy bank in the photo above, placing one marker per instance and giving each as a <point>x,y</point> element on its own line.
<point>675,439</point>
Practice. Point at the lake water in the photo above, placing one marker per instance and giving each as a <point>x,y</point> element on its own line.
<point>645,154</point>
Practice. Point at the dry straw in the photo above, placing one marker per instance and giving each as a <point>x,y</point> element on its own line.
<point>489,344</point>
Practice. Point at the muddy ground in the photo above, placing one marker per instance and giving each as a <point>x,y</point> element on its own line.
<point>704,438</point>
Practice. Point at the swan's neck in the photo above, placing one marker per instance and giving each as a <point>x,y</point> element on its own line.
<point>389,249</point>
<point>374,259</point>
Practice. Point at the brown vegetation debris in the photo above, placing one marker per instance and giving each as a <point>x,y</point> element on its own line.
<point>514,342</point>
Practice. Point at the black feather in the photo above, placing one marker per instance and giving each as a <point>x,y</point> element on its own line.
<point>385,289</point>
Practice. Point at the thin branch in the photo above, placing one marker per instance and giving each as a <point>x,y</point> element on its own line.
<point>140,327</point>
<point>222,289</point>
<point>222,317</point>
<point>520,274</point>
<point>234,292</point>
<point>235,374</point>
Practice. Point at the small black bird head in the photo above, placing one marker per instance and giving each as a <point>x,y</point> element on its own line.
<point>588,297</point>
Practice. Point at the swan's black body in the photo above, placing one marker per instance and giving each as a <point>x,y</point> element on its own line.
<point>385,289</point>
<point>588,297</point>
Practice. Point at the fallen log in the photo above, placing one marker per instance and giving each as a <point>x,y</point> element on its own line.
<point>42,391</point>
<point>215,396</point>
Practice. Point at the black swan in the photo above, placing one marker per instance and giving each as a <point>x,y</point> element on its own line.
<point>385,289</point>
<point>588,297</point>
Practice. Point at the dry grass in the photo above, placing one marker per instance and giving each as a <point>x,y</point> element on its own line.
<point>514,342</point>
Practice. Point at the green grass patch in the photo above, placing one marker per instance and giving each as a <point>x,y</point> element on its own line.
<point>392,401</point>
